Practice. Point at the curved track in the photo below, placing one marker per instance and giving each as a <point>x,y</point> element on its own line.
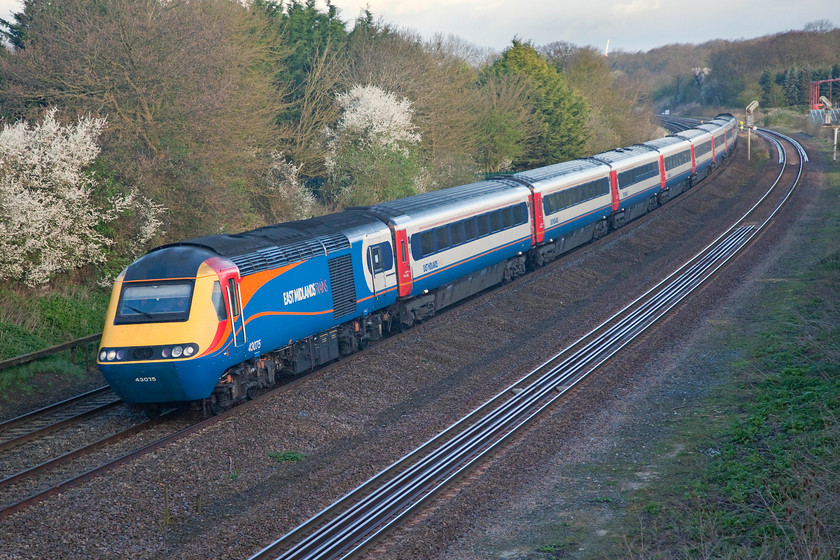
<point>354,522</point>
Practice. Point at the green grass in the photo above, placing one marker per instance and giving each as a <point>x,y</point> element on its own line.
<point>33,320</point>
<point>284,456</point>
<point>768,485</point>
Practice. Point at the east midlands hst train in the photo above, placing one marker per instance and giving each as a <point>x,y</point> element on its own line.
<point>214,319</point>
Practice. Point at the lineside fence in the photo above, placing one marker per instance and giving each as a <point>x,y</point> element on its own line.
<point>79,349</point>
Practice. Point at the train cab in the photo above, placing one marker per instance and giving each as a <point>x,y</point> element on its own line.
<point>169,311</point>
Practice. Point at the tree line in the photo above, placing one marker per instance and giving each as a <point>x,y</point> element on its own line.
<point>217,116</point>
<point>775,70</point>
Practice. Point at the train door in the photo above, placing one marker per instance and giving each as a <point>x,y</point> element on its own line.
<point>380,264</point>
<point>693,160</point>
<point>538,230</point>
<point>233,297</point>
<point>403,263</point>
<point>616,199</point>
<point>662,170</point>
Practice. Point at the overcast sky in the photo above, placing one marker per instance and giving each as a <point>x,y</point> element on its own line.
<point>630,25</point>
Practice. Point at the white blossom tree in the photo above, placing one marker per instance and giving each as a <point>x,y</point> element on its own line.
<point>372,154</point>
<point>48,216</point>
<point>290,199</point>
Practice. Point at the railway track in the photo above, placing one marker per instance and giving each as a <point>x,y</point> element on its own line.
<point>26,477</point>
<point>27,486</point>
<point>357,520</point>
<point>44,421</point>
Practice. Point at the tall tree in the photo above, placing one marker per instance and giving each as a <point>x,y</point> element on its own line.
<point>311,74</point>
<point>371,153</point>
<point>183,85</point>
<point>505,122</point>
<point>50,218</point>
<point>617,117</point>
<point>439,84</point>
<point>562,112</point>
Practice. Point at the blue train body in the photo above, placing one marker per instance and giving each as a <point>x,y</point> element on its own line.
<point>215,319</point>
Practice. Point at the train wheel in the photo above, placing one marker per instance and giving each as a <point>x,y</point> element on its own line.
<point>252,392</point>
<point>601,229</point>
<point>215,406</point>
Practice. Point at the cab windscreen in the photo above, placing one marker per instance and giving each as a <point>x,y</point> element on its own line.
<point>154,302</point>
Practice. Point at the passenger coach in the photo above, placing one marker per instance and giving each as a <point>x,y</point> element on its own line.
<point>449,235</point>
<point>572,201</point>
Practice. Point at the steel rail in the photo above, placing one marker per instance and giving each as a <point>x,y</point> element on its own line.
<point>96,471</point>
<point>25,417</point>
<point>78,452</point>
<point>67,413</point>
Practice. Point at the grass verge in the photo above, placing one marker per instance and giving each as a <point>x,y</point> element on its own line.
<point>31,321</point>
<point>766,483</point>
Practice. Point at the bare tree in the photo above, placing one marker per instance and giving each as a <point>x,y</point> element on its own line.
<point>182,84</point>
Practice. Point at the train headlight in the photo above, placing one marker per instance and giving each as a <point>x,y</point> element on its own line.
<point>112,354</point>
<point>177,351</point>
<point>189,350</point>
<point>103,355</point>
<point>120,354</point>
<point>166,352</point>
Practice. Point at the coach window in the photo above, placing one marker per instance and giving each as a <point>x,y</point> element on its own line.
<point>507,217</point>
<point>375,264</point>
<point>521,214</point>
<point>483,225</point>
<point>548,203</point>
<point>387,256</point>
<point>469,229</point>
<point>456,233</point>
<point>427,243</point>
<point>442,238</point>
<point>234,303</point>
<point>219,301</point>
<point>495,221</point>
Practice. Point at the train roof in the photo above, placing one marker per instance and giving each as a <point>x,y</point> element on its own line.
<point>566,169</point>
<point>664,142</point>
<point>692,134</point>
<point>445,199</point>
<point>622,154</point>
<point>288,242</point>
<point>711,127</point>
